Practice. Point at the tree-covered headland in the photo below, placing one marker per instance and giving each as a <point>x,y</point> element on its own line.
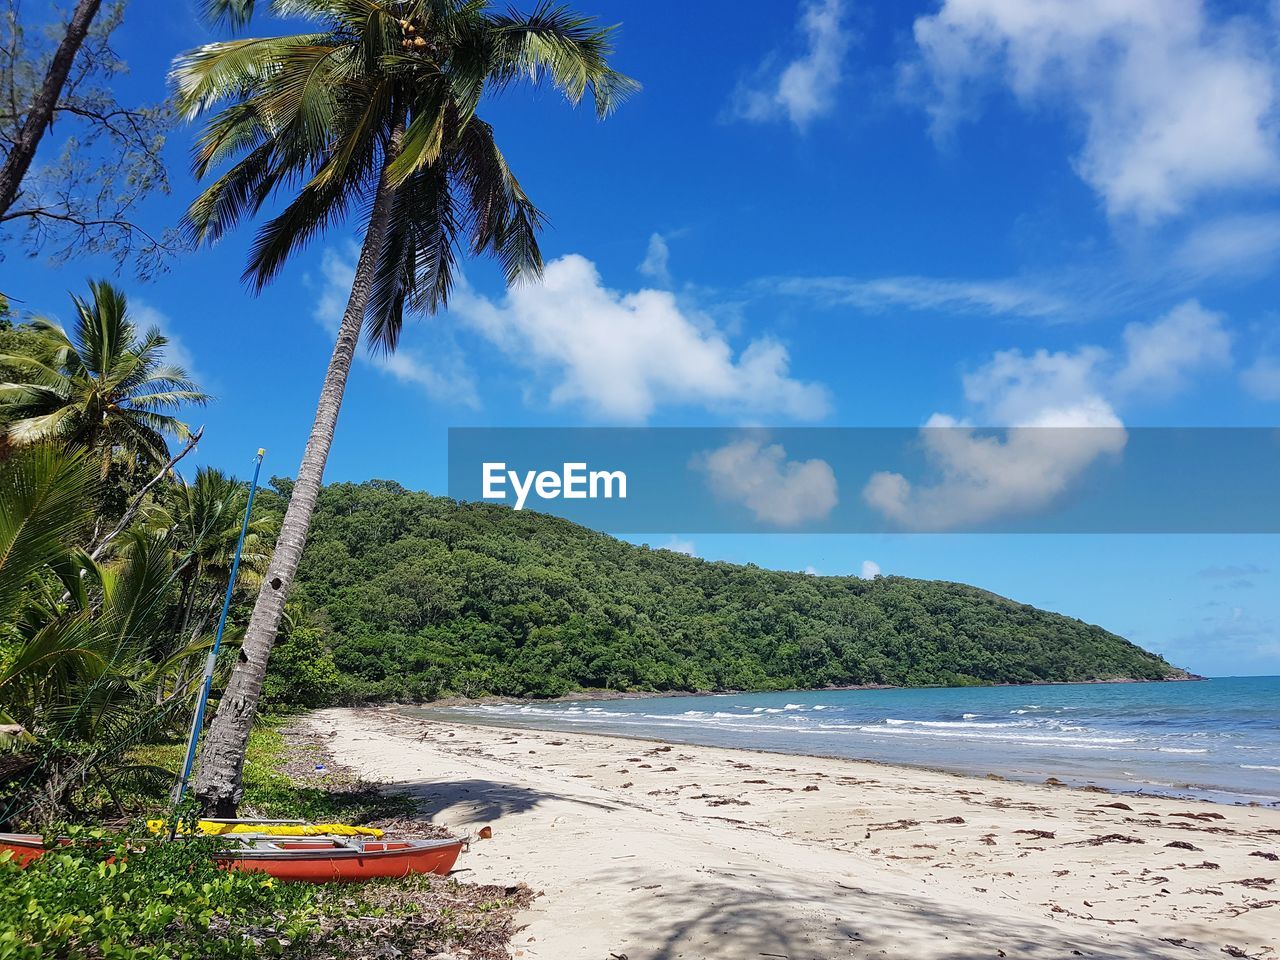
<point>415,596</point>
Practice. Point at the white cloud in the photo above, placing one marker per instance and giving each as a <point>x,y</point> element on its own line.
<point>444,379</point>
<point>1239,244</point>
<point>776,490</point>
<point>678,545</point>
<point>988,297</point>
<point>657,259</point>
<point>176,352</point>
<point>1262,379</point>
<point>1174,103</point>
<point>622,355</point>
<point>805,87</point>
<point>982,476</point>
<point>870,570</point>
<point>1161,355</point>
<point>812,571</point>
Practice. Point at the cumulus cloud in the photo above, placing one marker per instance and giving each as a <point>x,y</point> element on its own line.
<point>983,476</point>
<point>870,570</point>
<point>622,355</point>
<point>777,491</point>
<point>445,379</point>
<point>1174,102</point>
<point>1160,356</point>
<point>1262,379</point>
<point>805,87</point>
<point>657,260</point>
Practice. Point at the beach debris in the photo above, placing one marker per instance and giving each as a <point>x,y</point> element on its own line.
<point>989,839</point>
<point>1265,855</point>
<point>811,788</point>
<point>1106,838</point>
<point>950,820</point>
<point>1204,815</point>
<point>1177,942</point>
<point>1204,865</point>
<point>1038,834</point>
<point>1182,845</point>
<point>1255,883</point>
<point>1117,806</point>
<point>895,825</point>
<point>1054,782</point>
<point>486,833</point>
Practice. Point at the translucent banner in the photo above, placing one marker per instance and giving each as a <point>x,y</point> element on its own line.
<point>875,480</point>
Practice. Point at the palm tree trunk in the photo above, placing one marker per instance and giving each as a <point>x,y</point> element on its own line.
<point>40,113</point>
<point>218,787</point>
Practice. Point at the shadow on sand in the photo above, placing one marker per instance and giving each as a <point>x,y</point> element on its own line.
<point>466,802</point>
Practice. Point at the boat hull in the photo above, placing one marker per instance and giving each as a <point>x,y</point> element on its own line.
<point>25,847</point>
<point>305,860</point>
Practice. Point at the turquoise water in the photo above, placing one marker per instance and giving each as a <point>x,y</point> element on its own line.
<point>1215,739</point>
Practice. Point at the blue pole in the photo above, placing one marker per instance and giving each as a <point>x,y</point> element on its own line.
<point>198,721</point>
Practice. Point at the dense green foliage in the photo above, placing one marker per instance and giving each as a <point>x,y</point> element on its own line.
<point>102,899</point>
<point>424,596</point>
<point>111,898</point>
<point>112,568</point>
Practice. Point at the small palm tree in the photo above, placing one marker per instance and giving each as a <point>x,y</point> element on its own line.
<point>376,110</point>
<point>101,386</point>
<point>202,520</point>
<point>76,674</point>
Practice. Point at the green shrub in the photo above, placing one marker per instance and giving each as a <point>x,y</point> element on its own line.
<point>104,897</point>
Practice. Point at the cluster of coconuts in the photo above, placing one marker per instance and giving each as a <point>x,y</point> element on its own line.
<point>410,41</point>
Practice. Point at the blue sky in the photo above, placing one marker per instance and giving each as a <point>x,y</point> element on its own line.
<point>997,212</point>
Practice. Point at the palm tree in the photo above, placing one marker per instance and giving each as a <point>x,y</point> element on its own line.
<point>76,675</point>
<point>101,386</point>
<point>375,110</point>
<point>202,520</point>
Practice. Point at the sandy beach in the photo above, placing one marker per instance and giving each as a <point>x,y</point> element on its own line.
<point>656,852</point>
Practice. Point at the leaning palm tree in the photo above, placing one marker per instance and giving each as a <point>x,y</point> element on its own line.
<point>102,385</point>
<point>376,110</point>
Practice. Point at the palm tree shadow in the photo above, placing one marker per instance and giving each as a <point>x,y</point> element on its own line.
<point>809,918</point>
<point>467,802</point>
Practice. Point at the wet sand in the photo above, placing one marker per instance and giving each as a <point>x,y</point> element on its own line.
<point>657,852</point>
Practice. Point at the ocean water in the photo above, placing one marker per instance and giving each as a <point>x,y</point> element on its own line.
<point>1214,739</point>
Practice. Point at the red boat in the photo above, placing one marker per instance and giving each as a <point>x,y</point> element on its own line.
<point>304,859</point>
<point>341,859</point>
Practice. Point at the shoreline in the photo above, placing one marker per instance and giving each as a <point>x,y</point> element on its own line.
<point>594,695</point>
<point>656,851</point>
<point>888,765</point>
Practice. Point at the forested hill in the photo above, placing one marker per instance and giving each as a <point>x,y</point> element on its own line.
<point>419,596</point>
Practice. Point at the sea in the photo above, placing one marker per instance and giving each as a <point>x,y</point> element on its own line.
<point>1216,739</point>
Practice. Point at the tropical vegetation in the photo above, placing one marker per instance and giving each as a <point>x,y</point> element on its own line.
<point>377,108</point>
<point>420,597</point>
<point>110,564</point>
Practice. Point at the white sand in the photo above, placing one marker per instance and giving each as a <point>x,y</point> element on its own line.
<point>656,853</point>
